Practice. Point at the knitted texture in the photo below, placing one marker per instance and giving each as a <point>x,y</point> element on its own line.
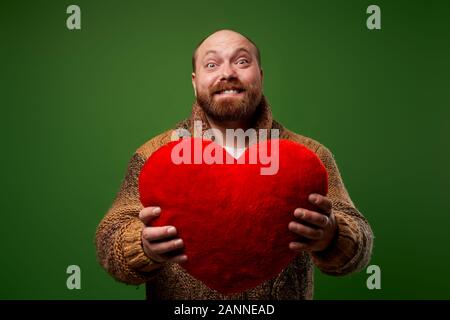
<point>120,252</point>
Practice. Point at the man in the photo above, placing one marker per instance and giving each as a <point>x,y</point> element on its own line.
<point>227,80</point>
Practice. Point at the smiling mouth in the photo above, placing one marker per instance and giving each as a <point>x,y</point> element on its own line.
<point>229,91</point>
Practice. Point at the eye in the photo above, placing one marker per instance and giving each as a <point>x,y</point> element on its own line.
<point>210,65</point>
<point>242,61</point>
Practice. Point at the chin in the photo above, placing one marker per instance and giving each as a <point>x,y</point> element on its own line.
<point>229,104</point>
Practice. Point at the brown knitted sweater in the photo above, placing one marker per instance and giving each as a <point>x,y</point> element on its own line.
<point>119,247</point>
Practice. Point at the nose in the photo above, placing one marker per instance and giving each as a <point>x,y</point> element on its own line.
<point>228,72</point>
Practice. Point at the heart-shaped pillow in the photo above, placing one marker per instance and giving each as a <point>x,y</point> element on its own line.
<point>233,219</point>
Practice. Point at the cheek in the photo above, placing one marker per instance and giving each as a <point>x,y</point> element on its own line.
<point>252,77</point>
<point>205,83</point>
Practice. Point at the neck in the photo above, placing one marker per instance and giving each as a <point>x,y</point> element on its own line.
<point>222,126</point>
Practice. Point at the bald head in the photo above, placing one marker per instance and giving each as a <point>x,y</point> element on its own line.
<point>223,38</point>
<point>227,76</point>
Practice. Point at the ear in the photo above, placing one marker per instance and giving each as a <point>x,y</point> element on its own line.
<point>193,83</point>
<point>262,74</point>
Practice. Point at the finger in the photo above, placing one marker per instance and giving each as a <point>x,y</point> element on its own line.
<point>314,218</point>
<point>321,202</point>
<point>298,246</point>
<point>307,232</point>
<point>155,257</point>
<point>178,259</point>
<point>157,233</point>
<point>167,246</point>
<point>148,214</point>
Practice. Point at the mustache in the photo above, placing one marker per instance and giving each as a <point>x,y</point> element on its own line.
<point>230,85</point>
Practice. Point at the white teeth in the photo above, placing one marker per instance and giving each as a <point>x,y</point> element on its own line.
<point>230,91</point>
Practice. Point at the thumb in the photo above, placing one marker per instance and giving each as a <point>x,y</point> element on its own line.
<point>148,214</point>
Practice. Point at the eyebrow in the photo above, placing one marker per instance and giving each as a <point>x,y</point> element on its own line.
<point>235,53</point>
<point>210,51</point>
<point>242,49</point>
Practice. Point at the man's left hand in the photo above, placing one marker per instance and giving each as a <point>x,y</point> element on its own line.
<point>317,228</point>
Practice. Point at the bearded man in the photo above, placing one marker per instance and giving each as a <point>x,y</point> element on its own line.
<point>227,79</point>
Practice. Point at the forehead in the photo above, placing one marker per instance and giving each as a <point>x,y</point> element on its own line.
<point>225,42</point>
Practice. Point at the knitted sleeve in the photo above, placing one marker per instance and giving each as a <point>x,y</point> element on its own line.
<point>352,248</point>
<point>118,236</point>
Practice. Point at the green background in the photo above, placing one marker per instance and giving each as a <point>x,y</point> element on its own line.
<point>76,104</point>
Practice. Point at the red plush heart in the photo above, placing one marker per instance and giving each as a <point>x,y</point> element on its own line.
<point>233,220</point>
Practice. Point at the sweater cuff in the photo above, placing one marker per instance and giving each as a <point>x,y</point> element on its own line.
<point>133,251</point>
<point>342,249</point>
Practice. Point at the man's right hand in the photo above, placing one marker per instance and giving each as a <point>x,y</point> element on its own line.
<point>160,243</point>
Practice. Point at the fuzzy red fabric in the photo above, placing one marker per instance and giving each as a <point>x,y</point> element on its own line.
<point>233,220</point>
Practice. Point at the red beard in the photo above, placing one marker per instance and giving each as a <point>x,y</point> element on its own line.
<point>235,107</point>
